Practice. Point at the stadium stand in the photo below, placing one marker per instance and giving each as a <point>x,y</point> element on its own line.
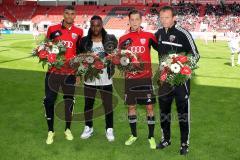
<point>220,17</point>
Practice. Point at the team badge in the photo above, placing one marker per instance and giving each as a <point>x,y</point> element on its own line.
<point>143,41</point>
<point>74,35</point>
<point>172,38</point>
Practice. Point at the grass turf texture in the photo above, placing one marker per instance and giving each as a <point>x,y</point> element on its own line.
<point>215,110</point>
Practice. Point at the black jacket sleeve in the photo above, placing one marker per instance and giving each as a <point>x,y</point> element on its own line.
<point>190,46</point>
<point>81,44</point>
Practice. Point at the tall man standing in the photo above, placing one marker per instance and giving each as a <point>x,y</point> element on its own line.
<point>64,77</point>
<point>173,38</point>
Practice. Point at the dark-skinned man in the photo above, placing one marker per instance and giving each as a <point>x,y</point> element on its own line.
<point>98,41</point>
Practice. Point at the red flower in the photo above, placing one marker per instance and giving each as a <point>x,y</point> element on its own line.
<point>185,70</point>
<point>85,64</point>
<point>99,65</point>
<point>163,76</point>
<point>182,59</point>
<point>43,54</point>
<point>109,57</point>
<point>128,55</point>
<point>52,58</point>
<point>116,60</point>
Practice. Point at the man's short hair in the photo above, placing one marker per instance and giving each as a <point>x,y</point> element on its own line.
<point>69,8</point>
<point>168,8</point>
<point>95,17</point>
<point>134,11</point>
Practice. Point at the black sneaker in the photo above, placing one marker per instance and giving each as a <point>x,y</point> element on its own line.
<point>184,149</point>
<point>163,144</point>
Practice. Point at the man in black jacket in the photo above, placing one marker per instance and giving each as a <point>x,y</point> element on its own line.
<point>174,39</point>
<point>99,42</point>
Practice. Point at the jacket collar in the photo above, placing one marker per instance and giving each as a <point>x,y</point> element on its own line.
<point>170,29</point>
<point>138,31</point>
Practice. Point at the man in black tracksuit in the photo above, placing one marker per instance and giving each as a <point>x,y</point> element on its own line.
<point>174,39</point>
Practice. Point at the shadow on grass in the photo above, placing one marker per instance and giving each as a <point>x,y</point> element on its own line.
<point>17,84</point>
<point>17,59</point>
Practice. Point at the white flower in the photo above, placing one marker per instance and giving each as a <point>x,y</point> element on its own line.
<point>163,64</point>
<point>55,50</point>
<point>175,68</point>
<point>89,59</point>
<point>124,61</point>
<point>41,47</point>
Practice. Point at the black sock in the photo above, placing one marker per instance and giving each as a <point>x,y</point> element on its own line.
<point>151,125</point>
<point>50,122</point>
<point>68,125</point>
<point>133,124</point>
<point>109,120</point>
<point>50,117</point>
<point>89,124</point>
<point>69,103</point>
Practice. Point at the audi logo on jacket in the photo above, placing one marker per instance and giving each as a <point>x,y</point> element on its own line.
<point>70,37</point>
<point>141,43</point>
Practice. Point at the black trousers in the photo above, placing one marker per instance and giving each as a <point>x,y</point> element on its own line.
<point>106,96</point>
<point>53,82</point>
<point>181,94</point>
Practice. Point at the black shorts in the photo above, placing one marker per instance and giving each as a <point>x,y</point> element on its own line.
<point>139,91</point>
<point>214,36</point>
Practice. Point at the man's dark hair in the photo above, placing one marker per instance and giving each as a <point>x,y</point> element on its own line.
<point>134,11</point>
<point>168,8</point>
<point>69,8</point>
<point>95,17</point>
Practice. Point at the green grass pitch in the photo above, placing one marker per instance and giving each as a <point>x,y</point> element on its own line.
<point>215,111</point>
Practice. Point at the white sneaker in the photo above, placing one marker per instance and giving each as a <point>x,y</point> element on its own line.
<point>110,135</point>
<point>50,137</point>
<point>87,132</point>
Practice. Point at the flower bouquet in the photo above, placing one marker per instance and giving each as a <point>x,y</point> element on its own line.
<point>50,53</point>
<point>176,69</point>
<point>125,60</point>
<point>89,65</point>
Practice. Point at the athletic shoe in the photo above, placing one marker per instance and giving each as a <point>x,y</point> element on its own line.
<point>184,149</point>
<point>163,144</point>
<point>130,140</point>
<point>110,135</point>
<point>68,135</point>
<point>50,137</point>
<point>152,143</point>
<point>87,132</point>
